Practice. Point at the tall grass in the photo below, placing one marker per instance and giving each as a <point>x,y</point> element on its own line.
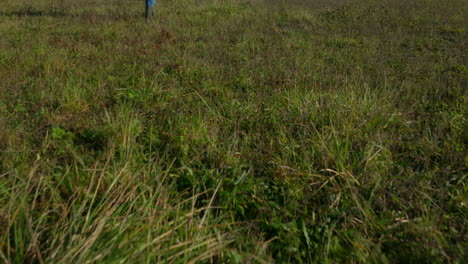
<point>243,131</point>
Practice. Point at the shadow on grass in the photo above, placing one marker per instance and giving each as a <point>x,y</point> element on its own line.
<point>35,13</point>
<point>88,16</point>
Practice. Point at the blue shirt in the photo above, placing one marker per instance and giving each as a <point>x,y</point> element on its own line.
<point>150,3</point>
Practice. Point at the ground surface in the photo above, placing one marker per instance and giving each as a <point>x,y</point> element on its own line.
<point>242,131</point>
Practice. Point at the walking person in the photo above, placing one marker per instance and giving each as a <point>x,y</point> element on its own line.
<point>149,9</point>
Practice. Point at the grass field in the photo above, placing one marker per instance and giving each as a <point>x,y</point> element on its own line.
<point>233,131</point>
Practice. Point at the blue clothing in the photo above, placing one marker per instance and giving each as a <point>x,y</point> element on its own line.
<point>150,3</point>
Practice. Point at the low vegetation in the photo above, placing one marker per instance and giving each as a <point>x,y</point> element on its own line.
<point>240,131</point>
